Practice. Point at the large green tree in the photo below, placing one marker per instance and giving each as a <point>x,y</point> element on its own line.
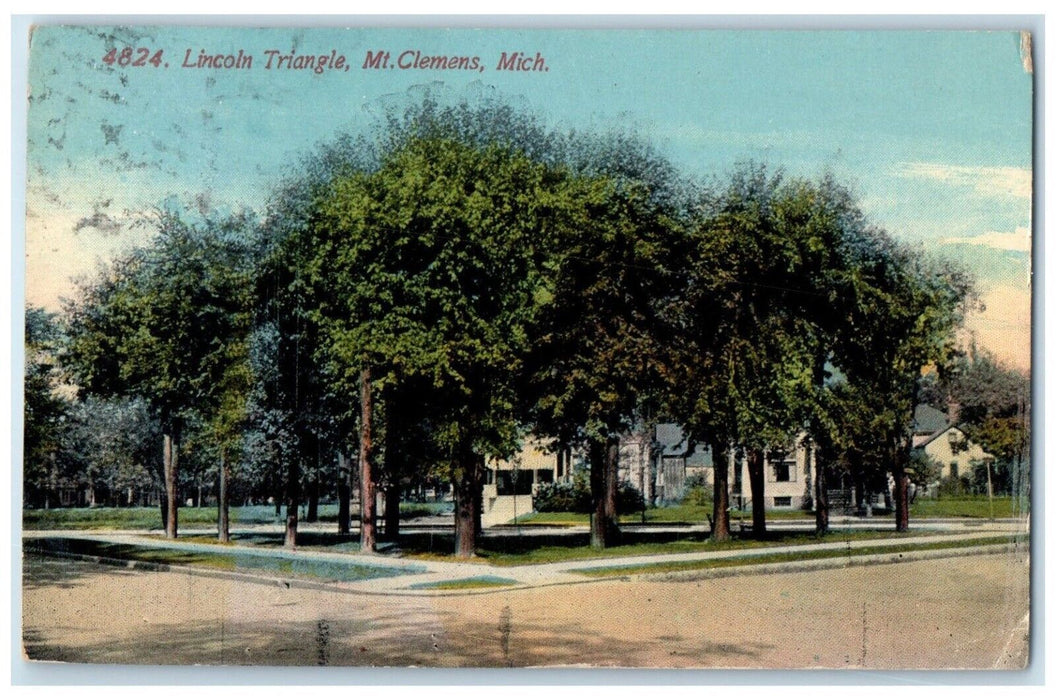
<point>435,265</point>
<point>909,307</point>
<point>600,349</point>
<point>161,322</point>
<point>755,326</point>
<point>302,422</point>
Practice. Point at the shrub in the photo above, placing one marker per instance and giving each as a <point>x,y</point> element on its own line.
<point>574,497</point>
<point>563,497</point>
<point>922,469</point>
<point>698,491</point>
<point>628,499</point>
<point>954,486</point>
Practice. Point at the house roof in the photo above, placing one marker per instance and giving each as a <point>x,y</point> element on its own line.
<point>939,434</point>
<point>672,440</point>
<point>932,438</point>
<point>673,443</point>
<point>928,420</point>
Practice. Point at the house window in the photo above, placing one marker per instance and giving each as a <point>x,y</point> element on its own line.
<point>782,501</point>
<point>513,483</point>
<point>954,470</point>
<point>782,469</point>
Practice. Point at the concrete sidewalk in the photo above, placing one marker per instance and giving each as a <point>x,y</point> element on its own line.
<point>423,576</point>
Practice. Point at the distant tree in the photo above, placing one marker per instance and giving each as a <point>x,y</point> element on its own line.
<point>991,403</point>
<point>109,446</point>
<point>44,407</point>
<point>855,443</point>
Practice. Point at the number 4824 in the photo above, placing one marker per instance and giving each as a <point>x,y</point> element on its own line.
<point>132,57</point>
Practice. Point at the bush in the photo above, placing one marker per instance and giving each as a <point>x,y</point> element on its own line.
<point>574,497</point>
<point>922,469</point>
<point>628,499</point>
<point>563,497</point>
<point>954,486</point>
<point>698,491</point>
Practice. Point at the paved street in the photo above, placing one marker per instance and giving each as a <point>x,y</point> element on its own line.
<point>963,612</point>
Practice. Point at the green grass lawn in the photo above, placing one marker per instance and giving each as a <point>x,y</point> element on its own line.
<point>264,562</point>
<point>963,507</point>
<point>545,553</point>
<point>129,518</point>
<point>150,518</point>
<point>667,515</point>
<point>781,557</point>
<point>947,507</point>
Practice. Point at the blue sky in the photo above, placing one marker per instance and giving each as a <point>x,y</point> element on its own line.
<point>932,130</point>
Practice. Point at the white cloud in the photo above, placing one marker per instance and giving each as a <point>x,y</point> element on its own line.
<point>1003,182</point>
<point>1018,240</point>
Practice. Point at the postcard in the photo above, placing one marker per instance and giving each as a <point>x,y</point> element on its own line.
<point>527,347</point>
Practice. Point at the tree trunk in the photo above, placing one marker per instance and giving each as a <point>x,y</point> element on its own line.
<point>720,526</point>
<point>223,527</point>
<point>393,470</point>
<point>367,500</point>
<point>478,498</point>
<point>821,497</point>
<point>604,461</point>
<point>344,494</point>
<point>757,482</point>
<point>468,499</point>
<point>821,501</point>
<point>170,459</point>
<point>293,502</point>
<point>901,492</point>
<point>163,505</point>
<point>392,512</point>
<point>612,476</point>
<point>313,499</point>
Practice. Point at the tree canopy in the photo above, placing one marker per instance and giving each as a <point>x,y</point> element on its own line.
<point>466,275</point>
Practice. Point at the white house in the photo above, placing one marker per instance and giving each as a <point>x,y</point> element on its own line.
<point>955,454</point>
<point>509,484</point>
<point>657,461</point>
